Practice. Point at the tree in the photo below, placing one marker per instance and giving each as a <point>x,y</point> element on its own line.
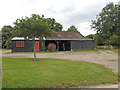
<point>90,36</point>
<point>54,25</point>
<point>6,36</point>
<point>97,41</point>
<point>34,27</point>
<point>114,40</point>
<point>106,24</point>
<point>72,28</point>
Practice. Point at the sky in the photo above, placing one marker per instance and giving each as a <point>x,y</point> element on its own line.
<point>67,12</point>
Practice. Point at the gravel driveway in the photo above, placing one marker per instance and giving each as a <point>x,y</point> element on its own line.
<point>107,58</point>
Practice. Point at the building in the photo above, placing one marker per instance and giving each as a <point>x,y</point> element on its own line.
<point>62,41</point>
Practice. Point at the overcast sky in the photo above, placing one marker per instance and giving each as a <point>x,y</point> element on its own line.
<point>67,12</point>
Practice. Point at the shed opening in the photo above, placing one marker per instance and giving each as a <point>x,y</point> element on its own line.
<point>61,45</point>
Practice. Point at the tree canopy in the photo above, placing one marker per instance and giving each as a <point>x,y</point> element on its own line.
<point>90,36</point>
<point>6,36</point>
<point>72,28</point>
<point>7,31</point>
<point>54,25</point>
<point>29,27</point>
<point>32,27</point>
<point>106,24</point>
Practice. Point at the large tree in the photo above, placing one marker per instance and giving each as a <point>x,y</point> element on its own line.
<point>34,27</point>
<point>90,36</point>
<point>95,38</point>
<point>6,36</point>
<point>106,24</point>
<point>54,25</point>
<point>72,28</point>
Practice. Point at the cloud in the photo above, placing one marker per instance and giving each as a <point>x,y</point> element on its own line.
<point>66,12</point>
<point>64,9</point>
<point>83,15</point>
<point>68,8</point>
<point>52,10</point>
<point>31,1</point>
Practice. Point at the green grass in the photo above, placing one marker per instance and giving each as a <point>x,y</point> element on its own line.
<point>4,49</point>
<point>95,50</point>
<point>52,73</point>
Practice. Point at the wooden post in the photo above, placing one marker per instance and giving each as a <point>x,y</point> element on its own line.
<point>43,44</point>
<point>63,47</point>
<point>58,45</point>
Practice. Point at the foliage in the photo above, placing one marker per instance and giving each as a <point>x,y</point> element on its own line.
<point>6,36</point>
<point>6,33</point>
<point>114,39</point>
<point>106,24</point>
<point>34,27</point>
<point>72,28</point>
<point>29,27</point>
<point>53,73</point>
<point>94,37</point>
<point>54,25</point>
<point>5,49</point>
<point>90,36</point>
<point>104,47</point>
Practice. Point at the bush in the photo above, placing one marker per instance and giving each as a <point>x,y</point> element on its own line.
<point>104,47</point>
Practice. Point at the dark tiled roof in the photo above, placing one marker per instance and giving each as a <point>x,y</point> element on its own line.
<point>67,36</point>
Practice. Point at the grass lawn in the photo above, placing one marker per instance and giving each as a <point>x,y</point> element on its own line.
<point>95,50</point>
<point>52,73</point>
<point>4,49</point>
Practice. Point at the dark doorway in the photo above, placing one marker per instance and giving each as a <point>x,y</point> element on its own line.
<point>64,46</point>
<point>61,45</point>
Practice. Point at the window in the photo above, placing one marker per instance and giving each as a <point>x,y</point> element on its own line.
<point>20,43</point>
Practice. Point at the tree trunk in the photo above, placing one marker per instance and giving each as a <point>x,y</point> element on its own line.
<point>34,49</point>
